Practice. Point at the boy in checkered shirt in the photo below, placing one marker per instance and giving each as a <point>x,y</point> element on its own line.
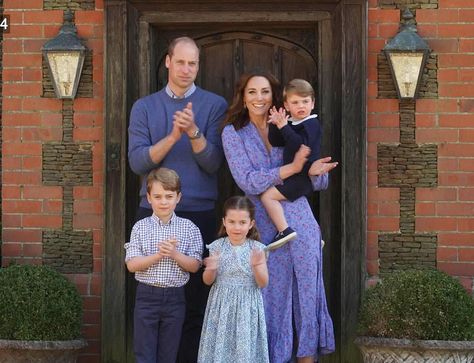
<point>163,249</point>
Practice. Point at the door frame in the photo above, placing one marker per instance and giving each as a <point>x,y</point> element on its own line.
<point>342,72</point>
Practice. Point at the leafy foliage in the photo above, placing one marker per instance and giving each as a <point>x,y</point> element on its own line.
<point>422,304</point>
<point>38,303</point>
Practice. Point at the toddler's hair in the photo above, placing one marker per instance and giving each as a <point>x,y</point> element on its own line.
<point>168,178</point>
<point>299,87</point>
<point>239,202</point>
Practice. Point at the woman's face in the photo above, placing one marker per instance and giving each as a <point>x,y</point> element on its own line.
<point>258,96</point>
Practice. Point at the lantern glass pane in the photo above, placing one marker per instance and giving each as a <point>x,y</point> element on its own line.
<point>406,67</point>
<point>64,66</point>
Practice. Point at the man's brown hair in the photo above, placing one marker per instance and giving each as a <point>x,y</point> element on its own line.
<point>175,42</point>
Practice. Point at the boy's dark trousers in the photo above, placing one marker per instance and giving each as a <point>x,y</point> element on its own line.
<point>158,320</point>
<point>196,291</point>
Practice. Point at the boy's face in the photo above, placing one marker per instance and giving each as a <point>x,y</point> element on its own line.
<point>163,202</point>
<point>298,106</point>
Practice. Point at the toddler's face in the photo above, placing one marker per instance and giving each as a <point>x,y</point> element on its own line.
<point>299,106</point>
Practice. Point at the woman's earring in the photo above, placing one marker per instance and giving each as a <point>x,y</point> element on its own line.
<point>245,105</point>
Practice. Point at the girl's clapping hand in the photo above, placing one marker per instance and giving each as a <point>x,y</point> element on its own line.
<point>257,257</point>
<point>212,262</point>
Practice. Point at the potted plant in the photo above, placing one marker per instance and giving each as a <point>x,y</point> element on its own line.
<point>40,316</point>
<point>417,316</point>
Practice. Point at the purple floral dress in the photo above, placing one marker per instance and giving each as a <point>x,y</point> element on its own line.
<point>296,288</point>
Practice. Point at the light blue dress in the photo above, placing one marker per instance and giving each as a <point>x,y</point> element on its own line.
<point>234,327</point>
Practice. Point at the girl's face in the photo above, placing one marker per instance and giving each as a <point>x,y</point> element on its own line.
<point>237,224</point>
<point>258,96</point>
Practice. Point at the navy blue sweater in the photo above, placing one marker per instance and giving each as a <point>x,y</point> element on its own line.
<point>151,119</point>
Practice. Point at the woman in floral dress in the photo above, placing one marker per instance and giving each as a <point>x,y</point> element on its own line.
<point>294,300</point>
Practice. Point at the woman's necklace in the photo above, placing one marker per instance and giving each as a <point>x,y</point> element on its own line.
<point>263,132</point>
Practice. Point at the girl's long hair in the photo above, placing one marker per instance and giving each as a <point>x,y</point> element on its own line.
<point>237,114</point>
<point>240,202</point>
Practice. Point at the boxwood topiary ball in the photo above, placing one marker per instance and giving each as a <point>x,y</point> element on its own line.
<point>418,304</point>
<point>38,303</point>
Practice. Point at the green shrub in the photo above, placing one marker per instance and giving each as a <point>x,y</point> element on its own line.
<point>38,303</point>
<point>422,304</point>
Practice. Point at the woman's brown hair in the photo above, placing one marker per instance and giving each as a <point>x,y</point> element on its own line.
<point>237,114</point>
<point>240,202</point>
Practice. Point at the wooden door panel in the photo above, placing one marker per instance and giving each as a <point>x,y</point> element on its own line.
<point>294,66</point>
<point>216,68</point>
<point>257,56</point>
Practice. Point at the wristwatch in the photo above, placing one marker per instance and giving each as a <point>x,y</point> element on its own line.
<point>196,135</point>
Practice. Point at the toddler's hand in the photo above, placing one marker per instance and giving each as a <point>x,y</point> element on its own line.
<point>257,257</point>
<point>278,117</point>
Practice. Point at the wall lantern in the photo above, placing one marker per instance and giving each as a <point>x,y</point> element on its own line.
<point>65,57</point>
<point>406,54</point>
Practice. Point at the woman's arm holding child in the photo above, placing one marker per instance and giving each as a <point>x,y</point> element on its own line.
<point>259,267</point>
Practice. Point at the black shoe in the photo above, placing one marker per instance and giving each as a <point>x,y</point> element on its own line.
<point>281,238</point>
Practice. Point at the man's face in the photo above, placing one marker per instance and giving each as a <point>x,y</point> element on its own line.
<point>182,66</point>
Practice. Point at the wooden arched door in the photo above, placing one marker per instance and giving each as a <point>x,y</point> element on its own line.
<point>322,41</point>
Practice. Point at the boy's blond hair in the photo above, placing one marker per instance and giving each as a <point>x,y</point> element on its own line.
<point>299,87</point>
<point>168,178</point>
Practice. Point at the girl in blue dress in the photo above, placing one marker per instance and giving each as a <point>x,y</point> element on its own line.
<point>234,327</point>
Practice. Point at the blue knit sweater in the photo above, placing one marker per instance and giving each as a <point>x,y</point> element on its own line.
<point>151,119</point>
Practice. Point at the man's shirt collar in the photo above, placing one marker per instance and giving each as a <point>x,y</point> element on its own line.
<point>188,93</point>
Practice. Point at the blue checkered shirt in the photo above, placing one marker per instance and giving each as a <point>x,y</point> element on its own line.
<point>144,241</point>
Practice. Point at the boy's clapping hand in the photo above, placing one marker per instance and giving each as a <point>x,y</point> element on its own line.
<point>168,247</point>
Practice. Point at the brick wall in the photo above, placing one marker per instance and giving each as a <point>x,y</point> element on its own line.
<point>43,205</point>
<point>445,210</point>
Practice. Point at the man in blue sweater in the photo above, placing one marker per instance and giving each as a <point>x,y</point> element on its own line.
<point>178,128</point>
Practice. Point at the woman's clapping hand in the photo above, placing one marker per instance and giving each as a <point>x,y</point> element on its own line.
<point>322,166</point>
